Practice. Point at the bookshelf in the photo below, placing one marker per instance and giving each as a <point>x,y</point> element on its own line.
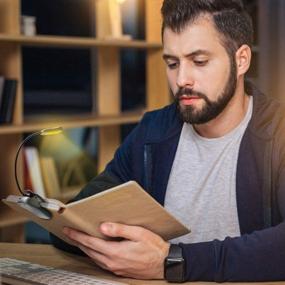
<point>127,117</point>
<point>107,116</point>
<point>76,42</point>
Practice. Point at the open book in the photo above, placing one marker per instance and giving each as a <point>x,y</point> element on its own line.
<point>127,203</point>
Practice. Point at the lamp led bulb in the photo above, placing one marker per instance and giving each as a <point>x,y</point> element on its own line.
<point>51,131</point>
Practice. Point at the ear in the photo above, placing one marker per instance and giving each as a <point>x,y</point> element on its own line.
<point>243,59</point>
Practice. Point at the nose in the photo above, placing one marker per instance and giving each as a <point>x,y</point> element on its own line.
<point>185,77</point>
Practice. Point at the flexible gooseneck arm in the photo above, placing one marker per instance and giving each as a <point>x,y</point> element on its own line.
<point>24,193</point>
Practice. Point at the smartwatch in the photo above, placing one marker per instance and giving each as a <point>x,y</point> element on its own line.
<point>174,265</point>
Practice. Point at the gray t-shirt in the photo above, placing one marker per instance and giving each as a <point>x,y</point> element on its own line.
<point>201,190</point>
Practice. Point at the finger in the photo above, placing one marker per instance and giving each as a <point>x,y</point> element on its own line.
<point>133,233</point>
<point>74,235</point>
<point>103,261</point>
<point>97,257</point>
<point>93,243</point>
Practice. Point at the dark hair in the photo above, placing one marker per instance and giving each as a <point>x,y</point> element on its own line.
<point>229,16</point>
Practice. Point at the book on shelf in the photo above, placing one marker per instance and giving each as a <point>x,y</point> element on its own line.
<point>109,12</point>
<point>8,101</point>
<point>2,82</point>
<point>34,170</point>
<point>127,203</point>
<point>50,176</point>
<point>27,176</point>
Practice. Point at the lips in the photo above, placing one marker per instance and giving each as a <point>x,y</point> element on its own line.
<point>186,97</point>
<point>188,100</point>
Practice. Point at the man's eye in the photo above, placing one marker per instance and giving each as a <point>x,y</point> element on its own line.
<point>172,65</point>
<point>200,62</point>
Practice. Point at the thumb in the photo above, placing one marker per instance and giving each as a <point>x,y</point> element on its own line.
<point>133,233</point>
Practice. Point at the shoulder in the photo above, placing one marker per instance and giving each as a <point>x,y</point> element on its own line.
<point>268,115</point>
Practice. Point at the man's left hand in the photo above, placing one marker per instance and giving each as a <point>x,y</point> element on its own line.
<point>139,255</point>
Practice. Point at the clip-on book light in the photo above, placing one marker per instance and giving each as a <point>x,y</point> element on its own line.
<point>29,200</point>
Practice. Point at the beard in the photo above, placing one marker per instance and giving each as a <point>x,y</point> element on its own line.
<point>211,109</point>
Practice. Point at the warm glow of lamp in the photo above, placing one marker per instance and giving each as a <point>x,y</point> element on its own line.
<point>121,1</point>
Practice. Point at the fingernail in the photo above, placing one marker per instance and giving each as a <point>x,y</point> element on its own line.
<point>65,231</point>
<point>106,227</point>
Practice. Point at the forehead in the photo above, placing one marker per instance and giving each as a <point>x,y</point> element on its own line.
<point>199,35</point>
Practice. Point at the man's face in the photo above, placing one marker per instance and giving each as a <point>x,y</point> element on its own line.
<point>199,71</point>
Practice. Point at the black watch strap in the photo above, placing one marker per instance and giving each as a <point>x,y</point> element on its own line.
<point>174,265</point>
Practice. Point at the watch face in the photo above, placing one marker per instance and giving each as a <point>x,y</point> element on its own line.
<point>174,265</point>
<point>174,270</point>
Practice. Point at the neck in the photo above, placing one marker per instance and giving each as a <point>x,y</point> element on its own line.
<point>229,119</point>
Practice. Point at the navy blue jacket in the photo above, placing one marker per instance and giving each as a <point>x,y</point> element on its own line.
<point>147,155</point>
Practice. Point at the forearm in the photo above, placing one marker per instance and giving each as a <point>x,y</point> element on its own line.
<point>259,256</point>
<point>100,183</point>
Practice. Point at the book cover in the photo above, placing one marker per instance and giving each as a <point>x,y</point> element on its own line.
<point>50,177</point>
<point>2,82</point>
<point>127,203</point>
<point>8,101</point>
<point>33,164</point>
<point>27,177</point>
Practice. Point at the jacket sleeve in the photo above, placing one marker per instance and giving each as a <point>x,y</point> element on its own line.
<point>259,256</point>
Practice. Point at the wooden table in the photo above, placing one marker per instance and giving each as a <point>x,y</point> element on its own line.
<point>48,255</point>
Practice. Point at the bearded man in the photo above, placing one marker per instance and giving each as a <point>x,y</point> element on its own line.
<point>214,159</point>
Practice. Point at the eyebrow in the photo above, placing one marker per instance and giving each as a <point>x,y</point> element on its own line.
<point>192,54</point>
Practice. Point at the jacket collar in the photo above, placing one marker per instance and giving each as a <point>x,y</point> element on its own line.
<point>168,128</point>
<point>262,123</point>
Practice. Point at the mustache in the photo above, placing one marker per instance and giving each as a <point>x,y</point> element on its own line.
<point>190,92</point>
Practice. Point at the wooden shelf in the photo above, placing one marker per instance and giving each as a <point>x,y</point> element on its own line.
<point>76,42</point>
<point>72,122</point>
<point>106,82</point>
